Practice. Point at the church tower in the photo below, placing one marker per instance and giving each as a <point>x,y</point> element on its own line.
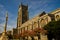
<point>22,15</point>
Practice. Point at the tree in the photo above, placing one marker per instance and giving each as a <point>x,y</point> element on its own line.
<point>53,29</point>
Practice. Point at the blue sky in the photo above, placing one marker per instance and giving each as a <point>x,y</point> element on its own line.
<point>35,7</point>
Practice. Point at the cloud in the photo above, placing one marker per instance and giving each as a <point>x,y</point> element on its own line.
<point>34,7</point>
<point>1,27</point>
<point>38,6</point>
<point>11,19</point>
<point>2,17</point>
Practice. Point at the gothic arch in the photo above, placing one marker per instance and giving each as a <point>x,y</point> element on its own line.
<point>57,17</point>
<point>43,22</point>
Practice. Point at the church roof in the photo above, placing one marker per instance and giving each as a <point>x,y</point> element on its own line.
<point>34,19</point>
<point>55,11</point>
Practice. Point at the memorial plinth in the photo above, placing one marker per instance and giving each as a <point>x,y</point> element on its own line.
<point>4,36</point>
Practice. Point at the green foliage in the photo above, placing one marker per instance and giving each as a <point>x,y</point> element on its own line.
<point>53,27</point>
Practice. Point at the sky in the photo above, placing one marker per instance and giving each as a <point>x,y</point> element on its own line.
<point>35,7</point>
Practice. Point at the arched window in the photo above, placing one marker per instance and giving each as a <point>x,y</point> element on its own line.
<point>43,23</point>
<point>57,17</point>
<point>35,25</point>
<point>29,28</point>
<point>46,20</point>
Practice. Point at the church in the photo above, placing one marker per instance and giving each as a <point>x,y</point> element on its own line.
<point>32,29</point>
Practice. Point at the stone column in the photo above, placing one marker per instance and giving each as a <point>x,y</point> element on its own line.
<point>26,38</point>
<point>38,36</point>
<point>29,38</point>
<point>38,23</point>
<point>35,37</point>
<point>43,37</point>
